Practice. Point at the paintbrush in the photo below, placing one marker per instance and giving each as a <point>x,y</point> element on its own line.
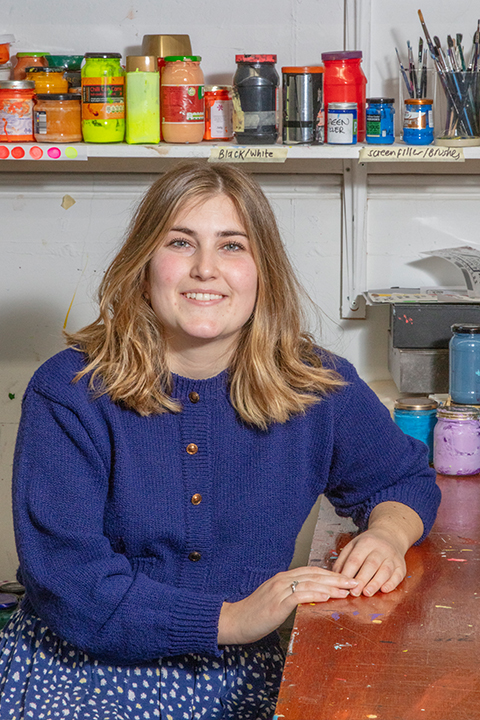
<point>460,51</point>
<point>404,75</point>
<point>411,70</point>
<point>451,53</point>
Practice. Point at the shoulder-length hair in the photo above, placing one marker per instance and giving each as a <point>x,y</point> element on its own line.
<point>275,372</point>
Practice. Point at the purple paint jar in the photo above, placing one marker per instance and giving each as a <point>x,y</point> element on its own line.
<point>456,440</point>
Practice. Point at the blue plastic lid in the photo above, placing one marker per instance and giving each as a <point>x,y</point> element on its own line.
<point>342,55</point>
<point>7,601</point>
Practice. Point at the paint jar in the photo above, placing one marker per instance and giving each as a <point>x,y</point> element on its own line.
<point>182,99</point>
<point>28,59</point>
<point>218,112</point>
<point>417,417</point>
<point>5,42</point>
<point>303,114</point>
<point>380,119</point>
<point>103,100</point>
<point>16,111</point>
<point>342,123</point>
<point>456,440</point>
<point>57,118</point>
<point>418,121</point>
<point>142,95</point>
<point>47,79</point>
<point>464,359</point>
<point>344,81</point>
<point>8,605</point>
<point>255,100</point>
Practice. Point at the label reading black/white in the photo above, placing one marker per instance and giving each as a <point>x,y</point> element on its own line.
<point>40,122</point>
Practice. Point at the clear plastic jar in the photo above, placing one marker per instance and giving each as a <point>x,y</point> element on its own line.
<point>345,82</point>
<point>103,98</point>
<point>47,79</point>
<point>16,111</point>
<point>255,99</point>
<point>182,101</point>
<point>417,417</point>
<point>456,441</point>
<point>57,118</point>
<point>28,59</point>
<point>464,357</point>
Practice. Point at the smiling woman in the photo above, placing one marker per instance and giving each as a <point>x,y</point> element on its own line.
<point>166,462</point>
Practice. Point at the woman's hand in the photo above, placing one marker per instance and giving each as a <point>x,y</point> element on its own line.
<point>375,558</point>
<point>270,604</point>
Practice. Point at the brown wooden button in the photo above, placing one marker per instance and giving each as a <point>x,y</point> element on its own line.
<point>192,448</point>
<point>196,499</point>
<point>194,556</point>
<point>194,397</point>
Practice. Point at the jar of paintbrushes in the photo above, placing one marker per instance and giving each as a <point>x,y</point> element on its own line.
<point>417,96</point>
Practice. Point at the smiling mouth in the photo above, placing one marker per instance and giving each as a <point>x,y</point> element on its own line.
<point>202,296</point>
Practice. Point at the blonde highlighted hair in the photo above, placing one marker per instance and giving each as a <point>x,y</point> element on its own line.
<point>275,371</point>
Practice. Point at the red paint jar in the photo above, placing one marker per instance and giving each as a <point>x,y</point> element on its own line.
<point>16,111</point>
<point>345,81</point>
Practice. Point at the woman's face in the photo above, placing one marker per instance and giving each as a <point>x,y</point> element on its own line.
<point>202,280</point>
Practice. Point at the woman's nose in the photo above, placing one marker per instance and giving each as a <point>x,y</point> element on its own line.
<point>205,264</point>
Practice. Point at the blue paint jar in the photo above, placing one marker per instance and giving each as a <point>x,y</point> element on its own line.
<point>418,121</point>
<point>380,121</point>
<point>464,357</point>
<point>417,417</point>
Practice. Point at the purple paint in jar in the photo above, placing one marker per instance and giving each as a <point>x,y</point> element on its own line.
<point>456,440</point>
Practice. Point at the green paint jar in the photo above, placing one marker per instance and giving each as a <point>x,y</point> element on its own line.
<point>103,98</point>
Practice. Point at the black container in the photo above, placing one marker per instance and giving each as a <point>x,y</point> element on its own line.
<point>255,91</point>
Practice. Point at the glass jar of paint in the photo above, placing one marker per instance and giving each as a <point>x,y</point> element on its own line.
<point>418,121</point>
<point>47,79</point>
<point>344,81</point>
<point>142,97</point>
<point>103,98</point>
<point>255,100</point>
<point>218,112</point>
<point>456,441</point>
<point>8,605</point>
<point>16,111</point>
<point>182,101</point>
<point>57,118</point>
<point>464,358</point>
<point>417,417</point>
<point>380,115</point>
<point>28,59</point>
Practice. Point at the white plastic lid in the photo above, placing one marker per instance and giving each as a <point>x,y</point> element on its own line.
<point>4,39</point>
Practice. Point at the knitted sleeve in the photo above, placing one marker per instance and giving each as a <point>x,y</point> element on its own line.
<point>373,460</point>
<point>83,590</point>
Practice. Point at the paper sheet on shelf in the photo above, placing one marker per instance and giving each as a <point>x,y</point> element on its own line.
<point>467,259</point>
<point>419,295</point>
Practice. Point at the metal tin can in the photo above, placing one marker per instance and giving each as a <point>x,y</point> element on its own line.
<point>342,123</point>
<point>380,116</point>
<point>418,121</point>
<point>417,417</point>
<point>303,114</point>
<point>218,112</point>
<point>456,440</point>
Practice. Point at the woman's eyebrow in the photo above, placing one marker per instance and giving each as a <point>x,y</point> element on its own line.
<point>221,233</point>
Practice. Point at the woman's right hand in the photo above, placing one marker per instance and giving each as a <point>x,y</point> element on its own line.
<point>272,602</point>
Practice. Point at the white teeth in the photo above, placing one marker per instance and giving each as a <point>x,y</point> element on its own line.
<point>202,296</point>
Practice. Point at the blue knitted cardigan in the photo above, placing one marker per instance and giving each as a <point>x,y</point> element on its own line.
<point>121,560</point>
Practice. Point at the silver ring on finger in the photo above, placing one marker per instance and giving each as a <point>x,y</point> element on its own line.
<point>293,585</point>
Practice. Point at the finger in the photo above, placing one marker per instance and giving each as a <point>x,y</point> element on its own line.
<point>372,577</point>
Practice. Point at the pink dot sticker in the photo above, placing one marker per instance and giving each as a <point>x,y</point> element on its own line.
<point>35,152</point>
<point>18,153</point>
<point>4,152</point>
<point>54,153</point>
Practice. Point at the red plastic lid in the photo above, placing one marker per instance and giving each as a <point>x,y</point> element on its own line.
<point>305,69</point>
<point>342,55</point>
<point>256,58</point>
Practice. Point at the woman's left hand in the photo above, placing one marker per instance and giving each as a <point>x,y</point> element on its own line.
<point>376,557</point>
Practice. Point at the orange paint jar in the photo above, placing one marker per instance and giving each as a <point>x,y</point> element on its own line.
<point>28,59</point>
<point>218,112</point>
<point>57,118</point>
<point>5,42</point>
<point>182,102</point>
<point>48,80</point>
<point>16,111</point>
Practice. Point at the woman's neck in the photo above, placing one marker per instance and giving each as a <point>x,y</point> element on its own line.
<point>198,363</point>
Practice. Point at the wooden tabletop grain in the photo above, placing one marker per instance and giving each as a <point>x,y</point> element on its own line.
<point>413,654</point>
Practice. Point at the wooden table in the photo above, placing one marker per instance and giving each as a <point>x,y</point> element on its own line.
<point>413,654</point>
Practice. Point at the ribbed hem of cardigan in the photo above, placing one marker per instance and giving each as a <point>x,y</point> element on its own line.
<point>195,625</point>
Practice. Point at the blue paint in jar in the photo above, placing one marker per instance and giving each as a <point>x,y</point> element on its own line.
<point>417,417</point>
<point>380,116</point>
<point>464,361</point>
<point>418,121</point>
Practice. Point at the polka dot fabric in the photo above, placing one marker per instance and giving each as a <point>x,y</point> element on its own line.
<point>45,678</point>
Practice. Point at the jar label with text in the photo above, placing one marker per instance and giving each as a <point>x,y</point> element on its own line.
<point>16,117</point>
<point>103,98</point>
<point>183,104</point>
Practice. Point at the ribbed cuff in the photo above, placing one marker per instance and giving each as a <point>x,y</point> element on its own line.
<point>194,626</point>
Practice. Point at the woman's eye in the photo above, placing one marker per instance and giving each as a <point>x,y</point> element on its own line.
<point>233,246</point>
<point>180,243</point>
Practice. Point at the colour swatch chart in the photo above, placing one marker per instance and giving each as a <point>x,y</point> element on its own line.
<point>27,151</point>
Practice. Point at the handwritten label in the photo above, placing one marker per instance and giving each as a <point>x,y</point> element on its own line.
<point>248,154</point>
<point>411,153</point>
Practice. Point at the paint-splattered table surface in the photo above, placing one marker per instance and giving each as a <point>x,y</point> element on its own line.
<point>413,654</point>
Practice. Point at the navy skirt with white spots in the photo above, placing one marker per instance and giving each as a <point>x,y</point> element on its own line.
<point>45,678</point>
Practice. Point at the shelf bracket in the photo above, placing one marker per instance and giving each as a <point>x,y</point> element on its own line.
<point>354,240</point>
